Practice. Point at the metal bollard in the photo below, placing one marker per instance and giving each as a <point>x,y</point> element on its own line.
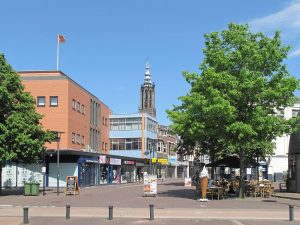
<point>110,212</point>
<point>68,212</point>
<point>25,215</point>
<point>291,212</point>
<point>151,212</point>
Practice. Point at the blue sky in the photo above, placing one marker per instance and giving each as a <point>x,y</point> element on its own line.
<point>109,42</point>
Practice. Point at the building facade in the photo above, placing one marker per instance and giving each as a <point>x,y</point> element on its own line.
<point>277,164</point>
<point>167,163</point>
<point>82,119</point>
<point>133,139</point>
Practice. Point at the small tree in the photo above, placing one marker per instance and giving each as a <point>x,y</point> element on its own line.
<point>243,79</point>
<point>21,135</point>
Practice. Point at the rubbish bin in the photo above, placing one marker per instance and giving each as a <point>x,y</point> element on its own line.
<point>35,187</point>
<point>27,189</point>
<point>31,189</point>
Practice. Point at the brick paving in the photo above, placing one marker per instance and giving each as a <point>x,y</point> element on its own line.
<point>173,201</point>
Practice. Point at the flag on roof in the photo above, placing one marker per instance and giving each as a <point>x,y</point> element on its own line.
<point>61,38</point>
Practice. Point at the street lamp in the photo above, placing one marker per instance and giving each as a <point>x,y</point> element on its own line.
<point>57,139</point>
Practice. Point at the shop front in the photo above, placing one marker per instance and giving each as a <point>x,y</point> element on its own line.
<point>104,166</point>
<point>182,169</point>
<point>128,171</point>
<point>88,170</point>
<point>114,171</point>
<point>171,171</point>
<point>161,167</point>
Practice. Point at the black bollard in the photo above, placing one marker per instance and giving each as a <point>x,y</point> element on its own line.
<point>151,212</point>
<point>291,212</point>
<point>110,212</point>
<point>25,215</point>
<point>68,212</point>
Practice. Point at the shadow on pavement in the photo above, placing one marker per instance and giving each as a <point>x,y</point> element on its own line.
<point>181,193</point>
<point>172,184</point>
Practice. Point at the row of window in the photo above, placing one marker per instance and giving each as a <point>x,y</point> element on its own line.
<point>41,101</point>
<point>78,139</point>
<point>125,144</point>
<point>126,123</point>
<point>76,106</point>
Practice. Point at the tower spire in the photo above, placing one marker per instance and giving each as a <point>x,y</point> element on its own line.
<point>147,96</point>
<point>147,74</point>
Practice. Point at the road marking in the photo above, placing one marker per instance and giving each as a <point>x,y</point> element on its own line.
<point>6,205</point>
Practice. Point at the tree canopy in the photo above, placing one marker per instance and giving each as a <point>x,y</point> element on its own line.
<point>21,135</point>
<point>230,107</point>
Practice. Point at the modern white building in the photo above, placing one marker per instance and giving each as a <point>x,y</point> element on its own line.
<point>277,164</point>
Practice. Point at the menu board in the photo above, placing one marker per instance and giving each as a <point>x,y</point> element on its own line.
<point>150,185</point>
<point>72,185</point>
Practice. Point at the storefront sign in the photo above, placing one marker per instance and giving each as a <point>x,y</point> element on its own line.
<point>91,161</point>
<point>102,159</point>
<point>114,161</point>
<point>127,162</point>
<point>160,160</point>
<point>183,163</point>
<point>173,160</point>
<point>150,184</point>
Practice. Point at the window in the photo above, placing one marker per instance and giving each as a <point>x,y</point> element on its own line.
<point>53,101</point>
<point>83,109</point>
<point>41,101</point>
<point>73,137</point>
<point>77,138</point>
<point>105,146</point>
<point>82,140</point>
<point>105,121</point>
<point>295,113</point>
<point>78,106</point>
<point>73,104</point>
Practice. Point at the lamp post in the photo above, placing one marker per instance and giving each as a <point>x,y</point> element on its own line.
<point>57,139</point>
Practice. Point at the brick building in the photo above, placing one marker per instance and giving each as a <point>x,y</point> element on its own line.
<point>84,120</point>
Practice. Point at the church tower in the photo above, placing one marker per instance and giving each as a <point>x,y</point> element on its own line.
<point>147,95</point>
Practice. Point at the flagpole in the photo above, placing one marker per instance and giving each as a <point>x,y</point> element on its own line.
<point>57,53</point>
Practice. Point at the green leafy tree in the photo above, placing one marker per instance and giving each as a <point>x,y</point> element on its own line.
<point>21,136</point>
<point>243,79</point>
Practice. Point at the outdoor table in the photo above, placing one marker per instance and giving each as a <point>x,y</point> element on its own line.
<point>215,189</point>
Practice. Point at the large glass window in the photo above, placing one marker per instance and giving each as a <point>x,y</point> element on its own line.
<point>125,144</point>
<point>151,125</point>
<point>126,123</point>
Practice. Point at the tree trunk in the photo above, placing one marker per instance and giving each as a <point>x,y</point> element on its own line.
<point>242,174</point>
<point>0,178</point>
